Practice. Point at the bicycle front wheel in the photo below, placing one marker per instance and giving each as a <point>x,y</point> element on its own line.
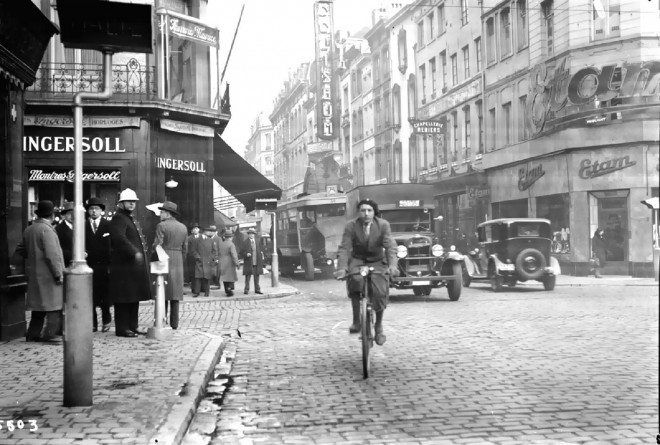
<point>365,329</point>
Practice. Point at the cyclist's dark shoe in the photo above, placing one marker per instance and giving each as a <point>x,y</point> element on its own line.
<point>380,337</point>
<point>354,328</point>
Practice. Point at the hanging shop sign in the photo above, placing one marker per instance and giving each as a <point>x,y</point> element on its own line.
<point>193,30</point>
<point>589,170</point>
<point>67,143</point>
<point>325,74</point>
<point>69,176</point>
<point>559,94</point>
<point>181,165</point>
<point>187,128</point>
<point>319,147</point>
<point>88,122</point>
<point>528,176</point>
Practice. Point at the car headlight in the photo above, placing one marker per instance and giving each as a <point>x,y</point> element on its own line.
<point>452,248</point>
<point>401,251</point>
<point>437,250</point>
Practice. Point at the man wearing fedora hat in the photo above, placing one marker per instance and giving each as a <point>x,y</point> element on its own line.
<point>44,268</point>
<point>129,276</point>
<point>190,260</point>
<point>97,249</point>
<point>65,232</point>
<point>206,257</point>
<point>253,261</point>
<point>173,237</point>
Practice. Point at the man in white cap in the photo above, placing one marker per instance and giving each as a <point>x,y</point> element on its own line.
<point>129,275</point>
<point>173,237</point>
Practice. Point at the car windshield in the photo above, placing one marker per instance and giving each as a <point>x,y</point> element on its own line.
<point>408,220</point>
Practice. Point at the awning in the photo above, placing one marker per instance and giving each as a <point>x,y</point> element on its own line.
<point>222,221</point>
<point>239,178</point>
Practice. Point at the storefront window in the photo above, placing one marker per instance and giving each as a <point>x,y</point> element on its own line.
<point>556,208</point>
<point>516,208</point>
<point>610,213</point>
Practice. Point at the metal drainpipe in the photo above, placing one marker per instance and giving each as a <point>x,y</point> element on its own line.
<point>78,276</point>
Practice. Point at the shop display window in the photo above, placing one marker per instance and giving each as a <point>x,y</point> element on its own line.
<point>556,208</point>
<point>516,208</point>
<point>609,211</point>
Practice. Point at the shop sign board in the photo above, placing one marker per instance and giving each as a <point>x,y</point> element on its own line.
<point>319,147</point>
<point>69,176</point>
<point>427,126</point>
<point>528,176</point>
<point>88,121</point>
<point>193,30</point>
<point>477,192</point>
<point>181,165</point>
<point>325,75</point>
<point>590,170</point>
<point>557,95</point>
<point>187,128</point>
<point>67,144</point>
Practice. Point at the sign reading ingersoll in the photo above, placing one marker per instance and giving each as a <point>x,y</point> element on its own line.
<point>325,73</point>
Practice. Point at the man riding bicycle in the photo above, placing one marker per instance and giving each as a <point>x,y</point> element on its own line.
<point>368,241</point>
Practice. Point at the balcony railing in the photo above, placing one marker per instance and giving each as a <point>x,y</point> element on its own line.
<point>130,82</point>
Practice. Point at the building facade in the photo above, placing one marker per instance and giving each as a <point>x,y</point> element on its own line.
<point>572,112</point>
<point>157,134</point>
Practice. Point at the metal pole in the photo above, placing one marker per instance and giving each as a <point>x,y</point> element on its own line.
<point>274,263</point>
<point>158,331</point>
<point>78,276</point>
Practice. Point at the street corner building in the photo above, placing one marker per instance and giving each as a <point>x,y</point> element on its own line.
<point>158,134</point>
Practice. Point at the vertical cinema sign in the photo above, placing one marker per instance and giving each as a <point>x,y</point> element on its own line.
<point>325,119</point>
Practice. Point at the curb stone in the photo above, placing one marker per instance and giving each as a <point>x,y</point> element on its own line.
<point>174,427</point>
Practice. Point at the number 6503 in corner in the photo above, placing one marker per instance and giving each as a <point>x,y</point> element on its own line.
<point>19,424</point>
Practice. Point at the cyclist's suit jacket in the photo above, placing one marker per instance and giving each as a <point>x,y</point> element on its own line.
<point>379,250</point>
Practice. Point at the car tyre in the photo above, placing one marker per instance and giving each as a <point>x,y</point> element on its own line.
<point>496,282</point>
<point>308,266</point>
<point>539,261</point>
<point>549,282</point>
<point>455,286</point>
<point>467,279</point>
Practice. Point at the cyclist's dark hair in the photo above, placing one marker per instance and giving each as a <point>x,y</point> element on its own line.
<point>371,203</point>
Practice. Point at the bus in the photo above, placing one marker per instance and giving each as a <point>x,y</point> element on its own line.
<point>308,233</point>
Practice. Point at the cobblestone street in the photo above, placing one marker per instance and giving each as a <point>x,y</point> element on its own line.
<point>576,365</point>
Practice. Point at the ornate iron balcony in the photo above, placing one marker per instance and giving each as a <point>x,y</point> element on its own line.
<point>131,82</point>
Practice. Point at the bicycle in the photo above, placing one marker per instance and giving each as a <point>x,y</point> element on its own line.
<point>367,315</point>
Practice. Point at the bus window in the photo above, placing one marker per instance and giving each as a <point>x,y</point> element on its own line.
<point>307,217</point>
<point>293,224</point>
<point>330,210</point>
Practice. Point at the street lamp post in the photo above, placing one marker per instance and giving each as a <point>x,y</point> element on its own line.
<point>274,261</point>
<point>107,27</point>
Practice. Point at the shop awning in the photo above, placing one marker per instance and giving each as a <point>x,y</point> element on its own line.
<point>222,221</point>
<point>239,178</point>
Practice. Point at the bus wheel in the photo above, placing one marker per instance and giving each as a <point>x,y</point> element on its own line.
<point>308,266</point>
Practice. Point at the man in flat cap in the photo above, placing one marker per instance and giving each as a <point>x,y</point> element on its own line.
<point>173,237</point>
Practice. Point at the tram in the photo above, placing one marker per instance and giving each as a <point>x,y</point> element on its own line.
<point>308,233</point>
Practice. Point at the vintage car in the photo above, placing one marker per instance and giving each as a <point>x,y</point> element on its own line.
<point>513,250</point>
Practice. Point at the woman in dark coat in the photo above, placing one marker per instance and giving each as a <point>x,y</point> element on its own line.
<point>129,276</point>
<point>599,251</point>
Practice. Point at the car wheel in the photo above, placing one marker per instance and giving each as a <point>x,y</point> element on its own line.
<point>308,266</point>
<point>467,279</point>
<point>455,286</point>
<point>549,282</point>
<point>530,264</point>
<point>496,283</point>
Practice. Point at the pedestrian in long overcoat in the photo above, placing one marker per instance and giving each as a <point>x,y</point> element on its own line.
<point>206,256</point>
<point>44,268</point>
<point>189,271</point>
<point>129,276</point>
<point>228,263</point>
<point>97,247</point>
<point>64,232</point>
<point>215,238</point>
<point>599,250</point>
<point>253,261</point>
<point>173,237</point>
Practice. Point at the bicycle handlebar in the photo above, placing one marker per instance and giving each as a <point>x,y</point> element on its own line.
<point>372,271</point>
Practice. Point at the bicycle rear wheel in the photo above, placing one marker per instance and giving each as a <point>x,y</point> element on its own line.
<point>365,329</point>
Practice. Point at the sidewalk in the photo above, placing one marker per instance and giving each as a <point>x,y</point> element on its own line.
<point>607,280</point>
<point>144,391</point>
